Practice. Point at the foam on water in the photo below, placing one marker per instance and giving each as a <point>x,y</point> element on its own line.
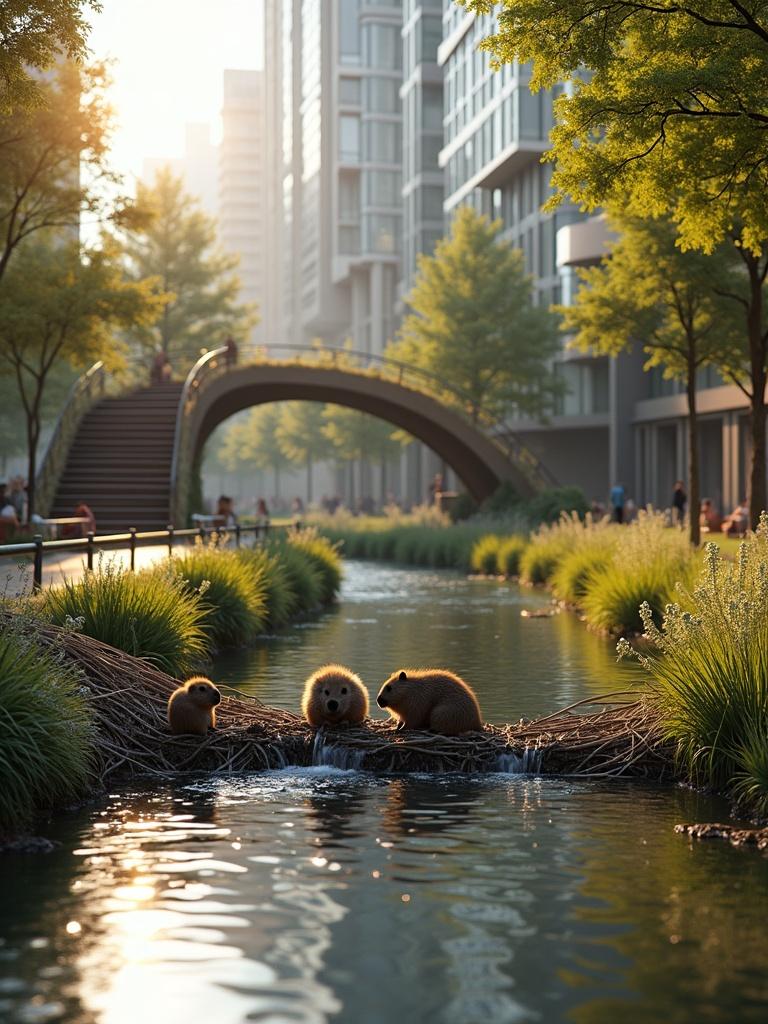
<point>335,755</point>
<point>527,763</point>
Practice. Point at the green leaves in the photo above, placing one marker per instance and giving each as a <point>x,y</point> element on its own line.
<point>474,326</point>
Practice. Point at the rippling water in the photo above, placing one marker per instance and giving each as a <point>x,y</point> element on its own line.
<point>313,895</point>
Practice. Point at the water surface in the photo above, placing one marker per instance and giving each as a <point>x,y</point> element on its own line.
<point>316,895</point>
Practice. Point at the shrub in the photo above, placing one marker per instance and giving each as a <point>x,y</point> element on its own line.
<point>614,594</point>
<point>509,554</point>
<point>234,594</point>
<point>302,573</point>
<point>462,508</point>
<point>484,554</point>
<point>504,499</point>
<point>324,556</point>
<point>282,600</point>
<point>573,572</point>
<point>151,615</point>
<point>549,506</point>
<point>709,664</point>
<point>46,740</point>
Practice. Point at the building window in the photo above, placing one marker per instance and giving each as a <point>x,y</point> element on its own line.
<point>382,96</point>
<point>349,91</point>
<point>349,32</point>
<point>349,138</point>
<point>383,47</point>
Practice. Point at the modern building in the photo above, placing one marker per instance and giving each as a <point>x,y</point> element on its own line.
<point>242,202</point>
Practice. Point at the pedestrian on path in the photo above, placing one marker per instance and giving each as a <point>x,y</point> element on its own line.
<point>618,498</point>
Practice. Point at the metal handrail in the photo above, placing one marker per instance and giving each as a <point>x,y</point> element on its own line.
<point>204,365</point>
<point>56,451</point>
<point>92,542</point>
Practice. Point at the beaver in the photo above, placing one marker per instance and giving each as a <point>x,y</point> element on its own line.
<point>191,707</point>
<point>334,696</point>
<point>433,699</point>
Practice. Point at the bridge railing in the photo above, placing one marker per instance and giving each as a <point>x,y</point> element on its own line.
<point>132,540</point>
<point>85,392</point>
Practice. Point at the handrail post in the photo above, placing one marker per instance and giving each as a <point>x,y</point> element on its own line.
<point>37,572</point>
<point>170,540</point>
<point>237,535</point>
<point>201,533</point>
<point>132,532</point>
<point>90,549</point>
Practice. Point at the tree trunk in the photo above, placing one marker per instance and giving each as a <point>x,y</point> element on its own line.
<point>309,480</point>
<point>33,436</point>
<point>694,489</point>
<point>757,478</point>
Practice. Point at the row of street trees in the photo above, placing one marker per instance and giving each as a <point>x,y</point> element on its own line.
<point>665,125</point>
<point>282,435</point>
<point>149,276</point>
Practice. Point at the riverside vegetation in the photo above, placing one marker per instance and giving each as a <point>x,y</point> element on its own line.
<point>174,616</point>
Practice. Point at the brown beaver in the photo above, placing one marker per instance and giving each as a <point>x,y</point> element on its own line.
<point>433,699</point>
<point>334,696</point>
<point>191,707</point>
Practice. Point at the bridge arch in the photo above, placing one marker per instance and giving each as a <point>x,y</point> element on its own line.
<point>477,458</point>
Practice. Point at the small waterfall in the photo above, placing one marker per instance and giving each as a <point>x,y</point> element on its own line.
<point>335,755</point>
<point>527,763</point>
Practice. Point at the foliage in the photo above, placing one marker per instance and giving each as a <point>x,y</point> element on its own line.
<point>53,159</point>
<point>572,576</point>
<point>549,506</point>
<point>282,600</point>
<point>473,324</point>
<point>650,291</point>
<point>151,615</point>
<point>504,499</point>
<point>35,35</point>
<point>252,442</point>
<point>405,541</point>
<point>356,435</point>
<point>325,558</point>
<point>303,574</point>
<point>538,561</point>
<point>46,739</point>
<point>484,555</point>
<point>234,595</point>
<point>509,554</point>
<point>176,245</point>
<point>301,437</point>
<point>58,304</point>
<point>462,507</point>
<point>672,107</point>
<point>709,665</point>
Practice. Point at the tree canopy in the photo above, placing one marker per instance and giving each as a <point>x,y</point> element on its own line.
<point>672,106</point>
<point>473,324</point>
<point>34,35</point>
<point>176,245</point>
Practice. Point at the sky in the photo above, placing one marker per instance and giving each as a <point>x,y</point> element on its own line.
<point>170,55</point>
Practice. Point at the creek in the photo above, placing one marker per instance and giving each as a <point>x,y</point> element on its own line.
<point>323,894</point>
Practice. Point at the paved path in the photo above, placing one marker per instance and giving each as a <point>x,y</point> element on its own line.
<point>16,573</point>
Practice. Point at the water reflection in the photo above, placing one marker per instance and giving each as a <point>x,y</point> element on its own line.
<point>318,895</point>
<point>393,617</point>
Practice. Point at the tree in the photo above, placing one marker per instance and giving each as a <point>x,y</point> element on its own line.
<point>34,34</point>
<point>671,111</point>
<point>300,436</point>
<point>53,161</point>
<point>357,435</point>
<point>650,292</point>
<point>176,245</point>
<point>473,324</point>
<point>254,442</point>
<point>58,304</point>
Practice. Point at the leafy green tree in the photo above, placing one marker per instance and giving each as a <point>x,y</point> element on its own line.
<point>473,324</point>
<point>176,246</point>
<point>672,111</point>
<point>253,443</point>
<point>54,168</point>
<point>650,292</point>
<point>35,34</point>
<point>58,305</point>
<point>300,436</point>
<point>358,436</point>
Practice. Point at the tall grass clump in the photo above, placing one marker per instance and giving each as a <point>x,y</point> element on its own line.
<point>282,600</point>
<point>709,666</point>
<point>649,559</point>
<point>573,574</point>
<point>46,741</point>
<point>302,573</point>
<point>509,554</point>
<point>484,555</point>
<point>152,615</point>
<point>234,596</point>
<point>549,545</point>
<point>325,558</point>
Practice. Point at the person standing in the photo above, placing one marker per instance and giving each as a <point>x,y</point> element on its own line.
<point>679,501</point>
<point>618,498</point>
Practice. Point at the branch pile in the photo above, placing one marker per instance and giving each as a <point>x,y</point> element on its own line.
<point>129,698</point>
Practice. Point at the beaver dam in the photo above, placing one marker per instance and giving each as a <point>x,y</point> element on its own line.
<point>613,735</point>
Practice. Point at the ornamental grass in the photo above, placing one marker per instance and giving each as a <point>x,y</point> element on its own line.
<point>485,553</point>
<point>46,742</point>
<point>234,596</point>
<point>709,667</point>
<point>282,599</point>
<point>325,558</point>
<point>509,553</point>
<point>153,615</point>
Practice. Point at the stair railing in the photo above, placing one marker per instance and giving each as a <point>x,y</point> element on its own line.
<point>84,393</point>
<point>205,369</point>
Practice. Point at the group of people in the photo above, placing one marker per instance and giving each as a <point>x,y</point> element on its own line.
<point>624,510</point>
<point>13,514</point>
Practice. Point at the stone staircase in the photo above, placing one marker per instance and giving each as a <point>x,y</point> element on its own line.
<point>120,461</point>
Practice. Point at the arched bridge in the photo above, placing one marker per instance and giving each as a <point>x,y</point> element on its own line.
<point>132,456</point>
